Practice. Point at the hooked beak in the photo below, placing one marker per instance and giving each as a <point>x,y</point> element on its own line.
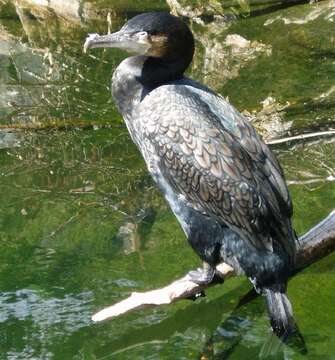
<point>119,39</point>
<point>104,41</point>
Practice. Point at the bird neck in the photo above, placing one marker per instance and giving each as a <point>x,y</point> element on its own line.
<point>157,71</point>
<point>136,76</point>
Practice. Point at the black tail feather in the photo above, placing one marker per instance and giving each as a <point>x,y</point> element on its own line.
<point>283,325</point>
<point>280,313</point>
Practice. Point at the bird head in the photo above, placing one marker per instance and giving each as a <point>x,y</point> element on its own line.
<point>156,34</point>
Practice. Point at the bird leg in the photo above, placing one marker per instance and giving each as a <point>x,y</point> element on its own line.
<point>204,275</point>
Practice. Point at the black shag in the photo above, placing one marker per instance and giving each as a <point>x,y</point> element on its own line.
<point>220,179</point>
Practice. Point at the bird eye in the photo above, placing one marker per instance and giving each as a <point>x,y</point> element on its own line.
<point>142,35</point>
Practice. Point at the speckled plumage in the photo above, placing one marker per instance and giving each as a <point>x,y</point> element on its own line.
<point>214,162</point>
<point>220,179</point>
<point>228,174</point>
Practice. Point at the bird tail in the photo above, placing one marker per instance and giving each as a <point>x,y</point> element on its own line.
<point>285,329</point>
<point>280,313</point>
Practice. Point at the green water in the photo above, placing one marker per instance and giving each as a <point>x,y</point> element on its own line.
<point>81,223</point>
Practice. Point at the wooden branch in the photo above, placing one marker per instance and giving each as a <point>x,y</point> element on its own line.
<point>301,137</point>
<point>316,244</point>
<point>180,289</point>
<point>312,246</point>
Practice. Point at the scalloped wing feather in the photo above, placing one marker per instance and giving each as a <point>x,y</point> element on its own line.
<point>223,170</point>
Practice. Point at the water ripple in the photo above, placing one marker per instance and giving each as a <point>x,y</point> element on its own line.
<point>72,311</point>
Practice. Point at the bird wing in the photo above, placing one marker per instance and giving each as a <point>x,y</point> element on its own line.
<point>233,121</point>
<point>210,167</point>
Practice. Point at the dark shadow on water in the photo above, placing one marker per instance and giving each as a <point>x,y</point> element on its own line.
<point>226,339</point>
<point>202,314</point>
<point>236,327</point>
<point>276,7</point>
<point>308,106</point>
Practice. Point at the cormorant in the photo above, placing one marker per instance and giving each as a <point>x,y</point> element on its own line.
<point>220,179</point>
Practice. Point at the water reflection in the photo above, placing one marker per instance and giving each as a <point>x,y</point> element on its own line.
<point>101,242</point>
<point>46,78</point>
<point>72,311</point>
<point>47,316</point>
<point>9,139</point>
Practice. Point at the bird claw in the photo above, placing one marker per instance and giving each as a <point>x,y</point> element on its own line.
<point>202,276</point>
<point>196,296</point>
